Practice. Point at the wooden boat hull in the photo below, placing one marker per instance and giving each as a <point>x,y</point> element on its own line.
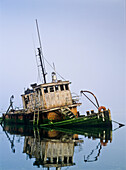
<point>19,118</point>
<point>95,120</point>
<point>94,132</point>
<point>44,144</point>
<point>102,119</point>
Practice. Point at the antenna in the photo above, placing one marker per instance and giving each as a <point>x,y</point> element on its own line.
<point>40,54</point>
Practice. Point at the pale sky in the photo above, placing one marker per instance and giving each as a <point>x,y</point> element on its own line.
<point>84,38</point>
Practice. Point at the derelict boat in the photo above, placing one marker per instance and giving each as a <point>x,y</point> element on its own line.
<point>51,104</point>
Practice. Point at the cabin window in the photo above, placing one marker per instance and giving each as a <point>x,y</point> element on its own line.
<point>54,160</point>
<point>48,160</point>
<point>59,160</point>
<point>66,87</point>
<point>51,89</point>
<point>61,87</point>
<point>70,159</point>
<point>65,159</point>
<point>37,91</point>
<point>40,93</point>
<point>56,88</point>
<point>45,90</point>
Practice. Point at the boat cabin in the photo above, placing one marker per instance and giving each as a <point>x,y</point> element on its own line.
<point>47,96</point>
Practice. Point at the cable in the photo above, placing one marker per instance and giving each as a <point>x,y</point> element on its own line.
<point>38,76</point>
<point>53,68</point>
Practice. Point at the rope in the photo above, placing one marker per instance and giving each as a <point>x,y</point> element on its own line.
<point>53,69</point>
<point>120,124</point>
<point>38,76</point>
<point>44,64</point>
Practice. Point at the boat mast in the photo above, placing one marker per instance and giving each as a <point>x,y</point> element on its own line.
<point>40,54</point>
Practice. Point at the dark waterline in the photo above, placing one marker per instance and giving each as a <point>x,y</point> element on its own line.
<point>27,148</point>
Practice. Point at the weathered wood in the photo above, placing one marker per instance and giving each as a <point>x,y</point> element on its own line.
<point>55,147</point>
<point>102,119</point>
<point>94,120</point>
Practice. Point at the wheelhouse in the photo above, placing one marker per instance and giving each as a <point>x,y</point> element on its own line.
<point>47,96</point>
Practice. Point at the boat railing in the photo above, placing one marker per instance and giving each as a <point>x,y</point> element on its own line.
<point>75,98</point>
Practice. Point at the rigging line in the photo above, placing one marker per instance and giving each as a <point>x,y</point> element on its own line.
<point>11,141</point>
<point>120,124</point>
<point>53,68</point>
<point>116,129</point>
<point>41,54</point>
<point>96,157</point>
<point>40,44</point>
<point>43,58</point>
<point>38,77</point>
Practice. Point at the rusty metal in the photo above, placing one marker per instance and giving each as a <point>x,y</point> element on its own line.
<point>10,106</point>
<point>86,91</point>
<point>101,107</point>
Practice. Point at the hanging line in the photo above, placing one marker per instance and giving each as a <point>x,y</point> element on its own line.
<point>54,69</point>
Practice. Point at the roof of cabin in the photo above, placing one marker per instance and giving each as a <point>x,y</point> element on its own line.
<point>35,86</point>
<point>52,84</point>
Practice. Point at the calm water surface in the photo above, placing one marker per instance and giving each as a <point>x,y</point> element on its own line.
<point>23,148</point>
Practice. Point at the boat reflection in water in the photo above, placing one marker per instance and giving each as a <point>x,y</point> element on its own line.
<point>55,148</point>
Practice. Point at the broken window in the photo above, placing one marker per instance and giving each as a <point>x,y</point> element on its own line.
<point>65,159</point>
<point>45,90</point>
<point>61,87</point>
<point>66,87</point>
<point>51,89</point>
<point>56,88</point>
<point>59,159</point>
<point>40,92</point>
<point>70,159</point>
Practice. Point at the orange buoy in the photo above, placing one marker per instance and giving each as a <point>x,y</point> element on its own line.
<point>101,108</point>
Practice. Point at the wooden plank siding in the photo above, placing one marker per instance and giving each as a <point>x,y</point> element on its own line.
<point>47,96</point>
